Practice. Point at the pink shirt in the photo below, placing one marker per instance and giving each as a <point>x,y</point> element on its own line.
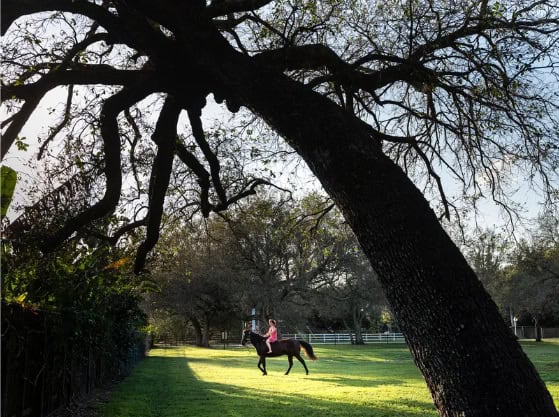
<point>273,335</point>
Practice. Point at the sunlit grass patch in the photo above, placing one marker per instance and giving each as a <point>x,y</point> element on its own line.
<point>347,381</point>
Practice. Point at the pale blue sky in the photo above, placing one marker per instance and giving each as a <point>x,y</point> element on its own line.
<point>489,214</point>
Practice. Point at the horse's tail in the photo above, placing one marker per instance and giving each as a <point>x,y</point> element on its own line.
<point>308,350</point>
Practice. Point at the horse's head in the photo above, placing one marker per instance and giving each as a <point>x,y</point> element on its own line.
<point>246,336</point>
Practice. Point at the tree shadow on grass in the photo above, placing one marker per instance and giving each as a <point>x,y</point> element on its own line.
<point>166,386</point>
<point>356,382</point>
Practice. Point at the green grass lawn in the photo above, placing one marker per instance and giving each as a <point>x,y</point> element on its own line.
<point>372,380</point>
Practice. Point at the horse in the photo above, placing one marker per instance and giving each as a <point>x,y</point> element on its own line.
<point>289,347</point>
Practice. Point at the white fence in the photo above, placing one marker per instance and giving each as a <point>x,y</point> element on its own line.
<point>529,332</point>
<point>346,338</point>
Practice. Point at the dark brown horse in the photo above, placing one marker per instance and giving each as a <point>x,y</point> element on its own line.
<point>289,347</point>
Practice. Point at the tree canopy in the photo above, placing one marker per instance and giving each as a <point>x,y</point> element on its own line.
<point>448,89</point>
<point>384,101</point>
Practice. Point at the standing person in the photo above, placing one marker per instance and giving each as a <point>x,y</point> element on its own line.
<point>272,334</point>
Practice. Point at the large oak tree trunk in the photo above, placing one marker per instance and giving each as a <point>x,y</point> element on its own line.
<point>469,358</point>
<point>471,362</point>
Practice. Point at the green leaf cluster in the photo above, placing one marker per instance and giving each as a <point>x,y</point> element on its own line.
<point>95,296</point>
<point>8,179</point>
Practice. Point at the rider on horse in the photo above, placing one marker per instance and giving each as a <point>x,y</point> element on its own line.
<point>272,334</point>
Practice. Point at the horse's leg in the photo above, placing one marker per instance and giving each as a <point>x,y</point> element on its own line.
<point>298,356</point>
<point>262,362</point>
<point>259,365</point>
<point>290,359</point>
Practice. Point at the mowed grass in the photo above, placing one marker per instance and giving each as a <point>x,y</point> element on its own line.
<point>371,380</point>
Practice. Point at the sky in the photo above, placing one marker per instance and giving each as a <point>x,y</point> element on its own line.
<point>489,215</point>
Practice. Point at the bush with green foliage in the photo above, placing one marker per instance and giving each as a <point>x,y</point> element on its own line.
<point>97,301</point>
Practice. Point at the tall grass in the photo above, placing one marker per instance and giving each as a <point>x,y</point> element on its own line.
<point>372,380</point>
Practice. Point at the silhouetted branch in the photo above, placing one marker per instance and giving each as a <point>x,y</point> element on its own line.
<point>62,123</point>
<point>14,9</point>
<point>33,93</point>
<point>113,176</point>
<point>203,175</point>
<point>164,136</point>
<point>215,168</point>
<point>224,7</point>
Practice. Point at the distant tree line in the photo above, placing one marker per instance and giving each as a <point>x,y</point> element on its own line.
<point>296,261</point>
<point>522,276</point>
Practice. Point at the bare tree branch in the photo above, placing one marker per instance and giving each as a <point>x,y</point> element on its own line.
<point>113,177</point>
<point>190,160</point>
<point>165,136</point>
<point>14,9</point>
<point>198,132</point>
<point>33,93</point>
<point>60,125</point>
<point>225,7</point>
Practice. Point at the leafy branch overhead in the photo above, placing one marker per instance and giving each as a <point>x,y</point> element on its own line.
<point>444,89</point>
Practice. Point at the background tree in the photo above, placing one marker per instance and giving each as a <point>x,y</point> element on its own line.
<point>287,259</point>
<point>289,248</point>
<point>270,254</point>
<point>352,294</point>
<point>534,277</point>
<point>520,276</point>
<point>372,96</point>
<point>488,253</point>
<point>200,280</point>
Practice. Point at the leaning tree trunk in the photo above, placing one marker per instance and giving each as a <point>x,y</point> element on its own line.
<point>468,356</point>
<point>471,362</point>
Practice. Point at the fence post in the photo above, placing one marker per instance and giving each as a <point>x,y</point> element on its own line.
<point>44,379</point>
